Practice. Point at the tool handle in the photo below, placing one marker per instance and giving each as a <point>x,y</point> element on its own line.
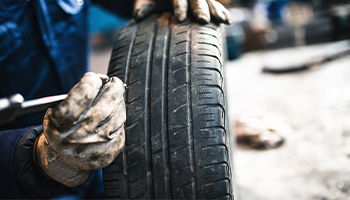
<point>13,106</point>
<point>10,107</point>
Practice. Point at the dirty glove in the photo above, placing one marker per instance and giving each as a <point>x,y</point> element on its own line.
<point>201,9</point>
<point>84,132</point>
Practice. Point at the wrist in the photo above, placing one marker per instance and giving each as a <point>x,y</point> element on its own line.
<point>31,182</point>
<point>54,167</point>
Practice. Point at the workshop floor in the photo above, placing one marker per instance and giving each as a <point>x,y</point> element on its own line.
<point>314,161</point>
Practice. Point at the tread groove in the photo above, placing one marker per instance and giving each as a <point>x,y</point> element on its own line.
<point>213,105</point>
<point>179,69</point>
<point>133,101</point>
<point>115,59</point>
<point>165,130</point>
<point>126,81</point>
<point>183,41</point>
<point>216,163</point>
<point>215,145</point>
<point>212,86</point>
<point>188,62</point>
<point>177,131</point>
<point>214,127</point>
<point>212,69</point>
<point>182,32</point>
<point>181,106</point>
<point>180,86</point>
<point>205,61</point>
<point>213,56</point>
<point>208,34</point>
<point>210,44</point>
<point>223,179</point>
<point>147,113</point>
<point>182,53</point>
<point>137,54</point>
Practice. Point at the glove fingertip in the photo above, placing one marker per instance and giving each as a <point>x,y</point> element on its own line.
<point>143,10</point>
<point>137,15</point>
<point>228,19</point>
<point>180,16</point>
<point>203,19</point>
<point>180,9</point>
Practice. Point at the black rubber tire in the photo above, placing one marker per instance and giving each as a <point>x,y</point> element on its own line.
<point>177,143</point>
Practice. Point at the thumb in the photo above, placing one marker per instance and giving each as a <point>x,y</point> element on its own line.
<point>143,8</point>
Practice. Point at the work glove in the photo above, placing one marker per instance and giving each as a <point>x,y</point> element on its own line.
<point>202,10</point>
<point>84,132</point>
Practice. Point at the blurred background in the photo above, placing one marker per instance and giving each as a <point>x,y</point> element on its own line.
<point>289,64</point>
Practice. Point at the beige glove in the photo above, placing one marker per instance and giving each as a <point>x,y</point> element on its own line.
<point>84,132</point>
<point>201,9</point>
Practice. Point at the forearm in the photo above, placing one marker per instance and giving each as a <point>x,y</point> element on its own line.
<point>8,186</point>
<point>20,177</point>
<point>30,179</point>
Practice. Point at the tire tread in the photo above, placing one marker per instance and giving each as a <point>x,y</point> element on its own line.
<point>176,139</point>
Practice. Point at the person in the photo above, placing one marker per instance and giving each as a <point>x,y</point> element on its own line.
<point>43,51</point>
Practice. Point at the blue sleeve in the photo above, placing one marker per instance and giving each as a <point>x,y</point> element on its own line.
<point>8,142</point>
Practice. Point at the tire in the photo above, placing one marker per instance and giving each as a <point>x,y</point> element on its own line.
<point>177,143</point>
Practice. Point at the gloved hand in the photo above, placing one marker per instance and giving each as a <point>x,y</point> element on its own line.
<point>84,132</point>
<point>201,9</point>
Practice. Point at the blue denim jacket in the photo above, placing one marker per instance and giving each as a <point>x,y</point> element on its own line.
<point>43,48</point>
<point>43,51</point>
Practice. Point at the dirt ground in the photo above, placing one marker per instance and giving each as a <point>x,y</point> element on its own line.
<point>314,161</point>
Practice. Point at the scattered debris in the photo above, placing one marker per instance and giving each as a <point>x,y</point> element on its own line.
<point>260,130</point>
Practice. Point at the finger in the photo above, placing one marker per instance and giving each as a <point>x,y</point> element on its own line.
<point>103,77</point>
<point>107,113</point>
<point>104,153</point>
<point>101,130</point>
<point>200,10</point>
<point>180,9</point>
<point>227,14</point>
<point>216,11</point>
<point>79,99</point>
<point>143,8</point>
<point>219,11</point>
<point>111,128</point>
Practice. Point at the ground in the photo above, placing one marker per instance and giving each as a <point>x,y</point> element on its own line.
<point>314,161</point>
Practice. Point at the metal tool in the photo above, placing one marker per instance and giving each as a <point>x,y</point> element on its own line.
<point>14,106</point>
